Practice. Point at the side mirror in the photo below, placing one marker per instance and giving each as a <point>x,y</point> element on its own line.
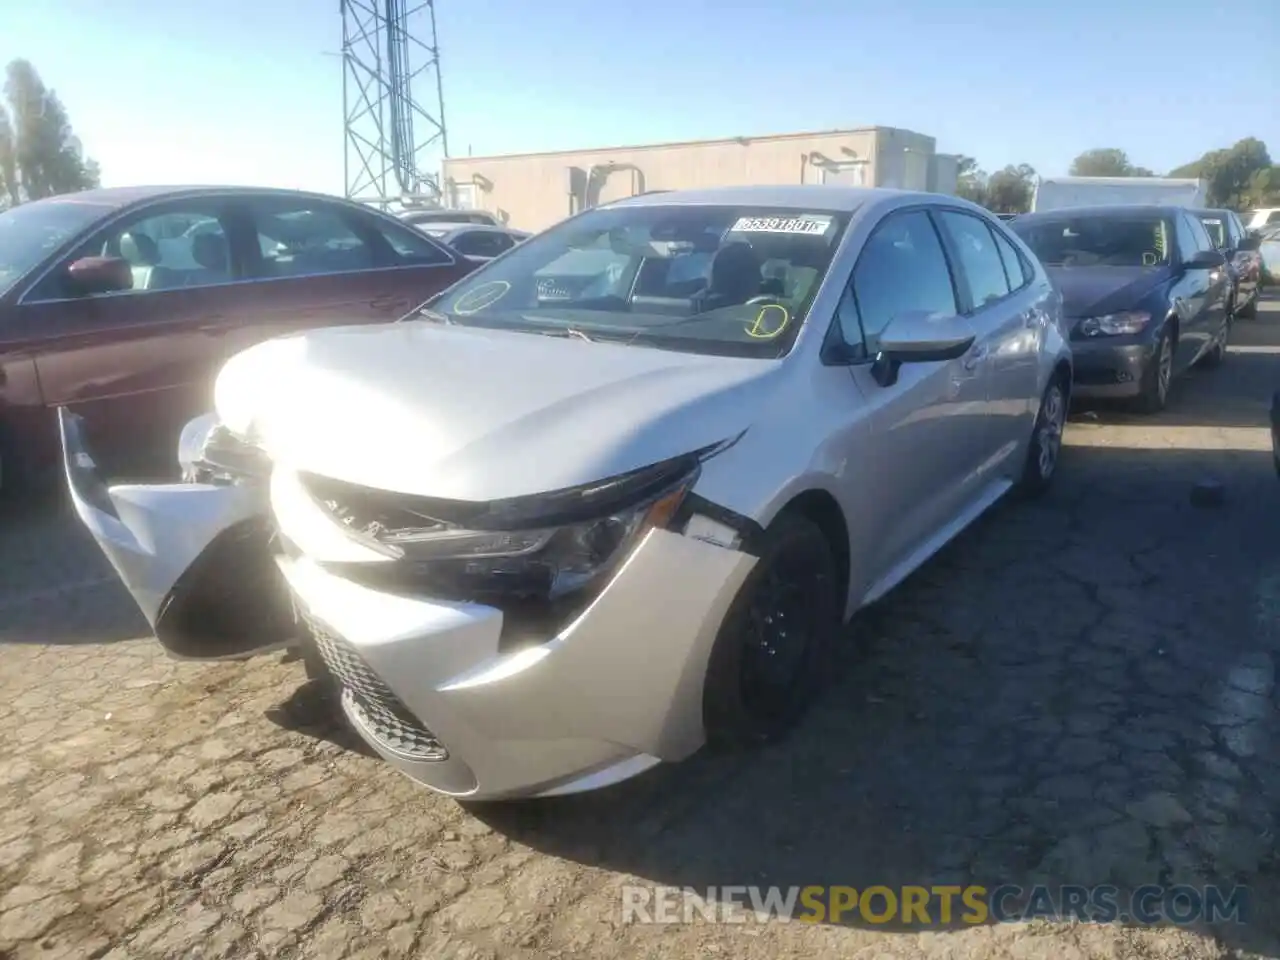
<point>1206,260</point>
<point>920,337</point>
<point>90,275</point>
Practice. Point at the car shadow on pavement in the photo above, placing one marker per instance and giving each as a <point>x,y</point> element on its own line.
<point>57,587</point>
<point>312,710</point>
<point>1078,691</point>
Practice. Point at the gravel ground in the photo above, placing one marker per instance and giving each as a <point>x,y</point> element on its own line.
<point>1077,691</point>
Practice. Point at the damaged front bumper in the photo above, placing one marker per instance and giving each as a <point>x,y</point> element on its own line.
<point>435,687</point>
<point>436,690</point>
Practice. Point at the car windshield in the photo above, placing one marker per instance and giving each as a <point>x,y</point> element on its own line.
<point>30,232</point>
<point>1217,230</point>
<point>728,280</point>
<point>1132,240</point>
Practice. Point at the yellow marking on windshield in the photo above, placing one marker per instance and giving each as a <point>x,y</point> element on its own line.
<point>761,329</point>
<point>485,295</point>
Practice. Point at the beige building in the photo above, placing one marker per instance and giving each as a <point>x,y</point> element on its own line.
<point>534,190</point>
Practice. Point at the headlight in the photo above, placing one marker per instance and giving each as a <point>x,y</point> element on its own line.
<point>541,546</point>
<point>1115,324</point>
<point>208,452</point>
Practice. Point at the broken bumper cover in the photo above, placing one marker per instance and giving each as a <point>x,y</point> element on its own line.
<point>429,686</point>
<point>195,557</point>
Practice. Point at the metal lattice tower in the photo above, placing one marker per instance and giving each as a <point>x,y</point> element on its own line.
<point>393,143</point>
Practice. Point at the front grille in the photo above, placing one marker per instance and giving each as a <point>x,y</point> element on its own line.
<point>377,708</point>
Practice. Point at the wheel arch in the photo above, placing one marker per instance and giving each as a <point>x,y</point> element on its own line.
<point>821,507</point>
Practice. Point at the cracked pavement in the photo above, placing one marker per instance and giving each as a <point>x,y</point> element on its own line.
<point>1080,690</point>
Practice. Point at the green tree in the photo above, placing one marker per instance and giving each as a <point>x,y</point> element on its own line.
<point>1106,162</point>
<point>1010,190</point>
<point>971,180</point>
<point>40,156</point>
<point>1234,175</point>
<point>1264,189</point>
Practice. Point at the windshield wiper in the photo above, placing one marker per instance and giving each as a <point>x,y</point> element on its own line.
<point>572,333</point>
<point>426,313</point>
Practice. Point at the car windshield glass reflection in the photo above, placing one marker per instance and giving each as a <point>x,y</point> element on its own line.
<point>1130,241</point>
<point>727,280</point>
<point>32,231</point>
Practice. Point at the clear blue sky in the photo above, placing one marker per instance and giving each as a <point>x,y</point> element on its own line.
<point>181,91</point>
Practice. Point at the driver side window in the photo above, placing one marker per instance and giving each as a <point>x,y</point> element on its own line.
<point>177,247</point>
<point>901,269</point>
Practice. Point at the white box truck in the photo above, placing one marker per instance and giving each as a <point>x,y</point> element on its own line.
<point>1056,193</point>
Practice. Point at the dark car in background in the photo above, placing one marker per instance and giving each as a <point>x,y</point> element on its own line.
<point>124,303</point>
<point>1244,262</point>
<point>1145,293</point>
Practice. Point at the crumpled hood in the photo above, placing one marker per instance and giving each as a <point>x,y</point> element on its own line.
<point>475,414</point>
<point>1094,291</point>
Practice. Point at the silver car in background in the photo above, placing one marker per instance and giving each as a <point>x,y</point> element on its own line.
<point>614,494</point>
<point>475,241</point>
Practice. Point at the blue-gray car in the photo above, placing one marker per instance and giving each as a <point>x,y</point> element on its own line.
<point>1146,295</point>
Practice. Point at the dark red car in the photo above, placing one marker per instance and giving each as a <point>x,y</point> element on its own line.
<point>123,303</point>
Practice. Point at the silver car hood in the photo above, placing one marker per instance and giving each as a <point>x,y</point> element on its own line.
<point>473,414</point>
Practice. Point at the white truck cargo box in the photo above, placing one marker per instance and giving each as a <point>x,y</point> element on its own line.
<point>1057,193</point>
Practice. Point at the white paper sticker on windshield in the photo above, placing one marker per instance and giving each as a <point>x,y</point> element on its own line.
<point>809,224</point>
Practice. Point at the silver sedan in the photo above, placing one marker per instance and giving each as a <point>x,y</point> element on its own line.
<point>614,494</point>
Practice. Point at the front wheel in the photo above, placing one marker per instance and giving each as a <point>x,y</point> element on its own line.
<point>1046,440</point>
<point>771,651</point>
<point>1250,312</point>
<point>1158,376</point>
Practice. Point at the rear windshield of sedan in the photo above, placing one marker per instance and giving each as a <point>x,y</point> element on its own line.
<point>30,232</point>
<point>1129,240</point>
<point>728,280</point>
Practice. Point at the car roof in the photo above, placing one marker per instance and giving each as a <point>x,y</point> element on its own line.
<point>1212,212</point>
<point>117,198</point>
<point>1105,210</point>
<point>813,196</point>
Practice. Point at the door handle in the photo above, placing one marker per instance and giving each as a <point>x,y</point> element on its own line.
<point>975,357</point>
<point>215,326</point>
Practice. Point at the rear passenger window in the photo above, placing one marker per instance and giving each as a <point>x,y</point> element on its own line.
<point>980,260</point>
<point>901,270</point>
<point>1015,268</point>
<point>410,246</point>
<point>305,239</point>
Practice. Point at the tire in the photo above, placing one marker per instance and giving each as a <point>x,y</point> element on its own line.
<point>1045,449</point>
<point>1158,377</point>
<point>749,697</point>
<point>1251,311</point>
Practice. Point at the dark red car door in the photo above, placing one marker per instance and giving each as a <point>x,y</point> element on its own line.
<point>137,363</point>
<point>318,262</point>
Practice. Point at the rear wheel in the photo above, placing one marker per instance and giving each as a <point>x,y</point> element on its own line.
<point>771,652</point>
<point>1158,376</point>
